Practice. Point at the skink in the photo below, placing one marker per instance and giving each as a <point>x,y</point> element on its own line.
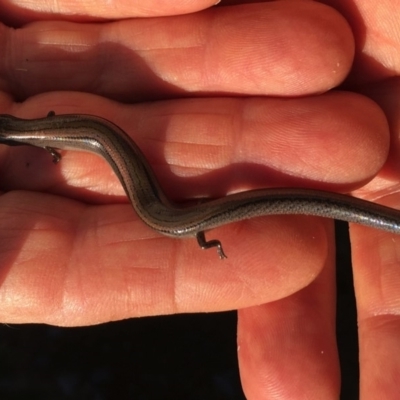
<point>97,135</point>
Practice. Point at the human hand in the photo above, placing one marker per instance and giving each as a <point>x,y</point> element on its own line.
<point>79,255</point>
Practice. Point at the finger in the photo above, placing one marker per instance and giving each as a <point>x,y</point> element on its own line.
<point>282,48</point>
<point>377,280</point>
<point>375,26</point>
<point>65,263</point>
<point>23,11</point>
<point>287,349</point>
<point>209,147</point>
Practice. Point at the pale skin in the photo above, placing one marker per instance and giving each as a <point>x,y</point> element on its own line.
<point>227,99</point>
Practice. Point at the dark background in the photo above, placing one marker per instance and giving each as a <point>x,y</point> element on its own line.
<point>174,357</point>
